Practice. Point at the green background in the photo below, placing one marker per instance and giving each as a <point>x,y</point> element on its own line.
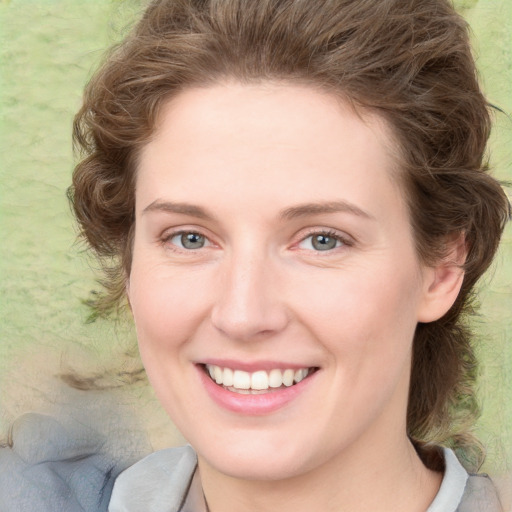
<point>48,50</point>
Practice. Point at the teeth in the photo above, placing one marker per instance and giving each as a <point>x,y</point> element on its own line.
<point>227,377</point>
<point>218,374</point>
<point>288,377</point>
<point>275,378</point>
<point>241,380</point>
<point>300,374</point>
<point>259,381</point>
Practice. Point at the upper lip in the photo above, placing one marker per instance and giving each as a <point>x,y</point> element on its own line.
<point>253,366</point>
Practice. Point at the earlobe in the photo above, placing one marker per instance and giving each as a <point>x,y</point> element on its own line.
<point>443,282</point>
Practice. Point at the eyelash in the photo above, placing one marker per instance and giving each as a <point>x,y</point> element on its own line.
<point>167,237</point>
<point>343,240</point>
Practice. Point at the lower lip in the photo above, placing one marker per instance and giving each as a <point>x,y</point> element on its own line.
<point>254,405</point>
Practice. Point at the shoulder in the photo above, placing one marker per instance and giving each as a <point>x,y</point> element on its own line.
<point>55,463</point>
<point>68,458</point>
<point>157,483</point>
<point>480,495</point>
<point>460,492</point>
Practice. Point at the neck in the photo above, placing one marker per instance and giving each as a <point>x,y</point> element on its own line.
<point>346,483</point>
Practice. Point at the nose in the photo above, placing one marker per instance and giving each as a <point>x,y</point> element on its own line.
<point>248,304</point>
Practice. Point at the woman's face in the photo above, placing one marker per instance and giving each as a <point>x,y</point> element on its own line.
<point>273,246</point>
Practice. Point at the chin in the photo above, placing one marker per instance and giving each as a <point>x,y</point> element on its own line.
<point>253,460</point>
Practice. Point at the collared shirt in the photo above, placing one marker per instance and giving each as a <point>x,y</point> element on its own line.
<point>168,481</point>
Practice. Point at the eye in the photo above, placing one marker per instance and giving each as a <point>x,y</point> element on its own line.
<point>321,242</point>
<point>189,240</point>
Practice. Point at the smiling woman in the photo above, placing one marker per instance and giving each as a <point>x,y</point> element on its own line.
<point>277,291</point>
<point>296,202</point>
<point>297,196</point>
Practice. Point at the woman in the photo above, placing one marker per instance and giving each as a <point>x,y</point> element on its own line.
<point>292,197</point>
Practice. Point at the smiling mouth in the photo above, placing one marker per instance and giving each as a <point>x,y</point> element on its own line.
<point>259,382</point>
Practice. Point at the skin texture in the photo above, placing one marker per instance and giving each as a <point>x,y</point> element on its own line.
<point>248,158</point>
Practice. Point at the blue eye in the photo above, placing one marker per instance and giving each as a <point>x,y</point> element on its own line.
<point>321,242</point>
<point>189,240</point>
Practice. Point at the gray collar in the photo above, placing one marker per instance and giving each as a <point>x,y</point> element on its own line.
<point>452,487</point>
<point>167,481</point>
<point>159,482</point>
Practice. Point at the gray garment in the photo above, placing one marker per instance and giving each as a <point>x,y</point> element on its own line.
<point>158,483</point>
<point>60,463</point>
<point>461,492</point>
<point>167,481</point>
<point>67,460</point>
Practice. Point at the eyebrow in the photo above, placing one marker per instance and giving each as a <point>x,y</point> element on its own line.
<point>183,208</point>
<point>293,212</point>
<point>303,210</point>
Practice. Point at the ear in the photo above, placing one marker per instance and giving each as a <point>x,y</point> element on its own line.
<point>443,281</point>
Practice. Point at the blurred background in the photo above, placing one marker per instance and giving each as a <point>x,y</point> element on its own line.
<point>48,49</point>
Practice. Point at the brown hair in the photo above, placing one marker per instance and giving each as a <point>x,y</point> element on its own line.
<point>407,60</point>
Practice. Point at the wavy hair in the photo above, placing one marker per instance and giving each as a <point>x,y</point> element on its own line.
<point>409,61</point>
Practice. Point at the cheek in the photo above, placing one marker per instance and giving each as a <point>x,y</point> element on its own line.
<point>165,306</point>
<point>365,316</point>
<point>367,324</point>
<point>166,312</point>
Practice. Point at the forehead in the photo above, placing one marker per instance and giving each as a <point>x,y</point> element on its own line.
<point>273,142</point>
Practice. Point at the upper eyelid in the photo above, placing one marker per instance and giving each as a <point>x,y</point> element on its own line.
<point>302,235</point>
<point>168,234</point>
<point>344,237</point>
<point>171,232</point>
